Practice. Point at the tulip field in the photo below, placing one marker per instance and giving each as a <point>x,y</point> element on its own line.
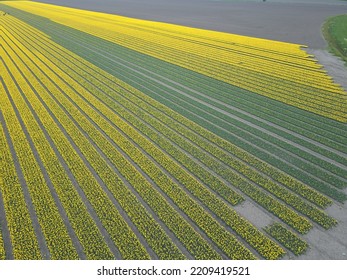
<point>130,139</point>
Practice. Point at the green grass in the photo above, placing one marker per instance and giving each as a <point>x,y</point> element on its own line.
<point>335,32</point>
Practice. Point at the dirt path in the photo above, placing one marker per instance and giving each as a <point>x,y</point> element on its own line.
<point>334,65</point>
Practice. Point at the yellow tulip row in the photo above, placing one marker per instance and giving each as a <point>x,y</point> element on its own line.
<point>167,32</point>
<point>2,247</point>
<point>206,222</point>
<point>180,51</point>
<point>311,90</point>
<point>88,234</point>
<point>221,41</point>
<point>97,119</point>
<point>23,238</point>
<point>56,236</point>
<point>189,237</point>
<point>105,128</point>
<point>287,238</point>
<point>214,182</point>
<point>58,72</point>
<point>202,45</point>
<point>125,239</point>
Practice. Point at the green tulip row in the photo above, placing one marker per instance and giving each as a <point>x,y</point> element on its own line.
<point>192,240</point>
<point>145,165</point>
<point>253,174</point>
<point>23,238</point>
<point>268,184</point>
<point>314,184</point>
<point>284,167</point>
<point>287,215</point>
<point>228,123</point>
<point>197,133</point>
<point>56,235</point>
<point>111,219</point>
<point>222,91</point>
<point>205,64</point>
<point>296,186</point>
<point>230,95</point>
<point>234,97</point>
<point>287,238</point>
<point>331,173</point>
<point>273,87</point>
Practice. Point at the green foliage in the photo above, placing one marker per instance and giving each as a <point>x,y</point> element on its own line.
<point>287,238</point>
<point>335,32</point>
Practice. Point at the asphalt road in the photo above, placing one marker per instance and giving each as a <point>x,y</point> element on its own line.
<point>295,21</point>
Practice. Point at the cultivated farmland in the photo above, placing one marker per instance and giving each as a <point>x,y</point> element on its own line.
<point>129,139</point>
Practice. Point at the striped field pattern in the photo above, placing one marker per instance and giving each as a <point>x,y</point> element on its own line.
<point>130,139</point>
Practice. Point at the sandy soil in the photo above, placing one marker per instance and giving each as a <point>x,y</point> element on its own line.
<point>334,65</point>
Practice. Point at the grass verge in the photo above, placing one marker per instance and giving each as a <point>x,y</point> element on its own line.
<point>335,32</point>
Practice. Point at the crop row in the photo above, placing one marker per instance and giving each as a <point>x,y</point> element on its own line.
<point>219,235</point>
<point>213,182</point>
<point>287,238</point>
<point>197,57</point>
<point>165,55</point>
<point>173,71</point>
<point>191,165</point>
<point>106,211</point>
<point>143,163</point>
<point>56,235</point>
<point>279,168</point>
<point>318,184</point>
<point>204,66</point>
<point>23,238</point>
<point>315,214</point>
<point>137,32</point>
<point>236,97</point>
<point>113,222</point>
<point>227,122</point>
<point>143,60</point>
<point>221,118</point>
<point>84,227</point>
<point>227,96</point>
<point>199,248</point>
<point>189,183</point>
<point>214,165</point>
<point>316,196</point>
